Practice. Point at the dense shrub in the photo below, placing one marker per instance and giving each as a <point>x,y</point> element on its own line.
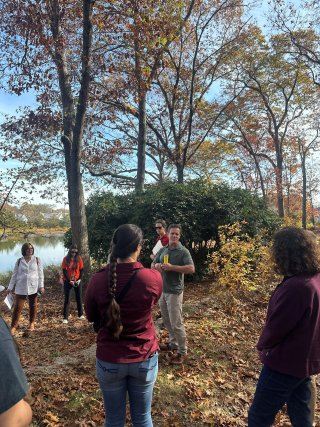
<point>242,262</point>
<point>200,208</point>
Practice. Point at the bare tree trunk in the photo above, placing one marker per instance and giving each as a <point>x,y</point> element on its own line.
<point>304,191</point>
<point>73,126</point>
<point>180,173</point>
<point>279,183</point>
<point>142,141</point>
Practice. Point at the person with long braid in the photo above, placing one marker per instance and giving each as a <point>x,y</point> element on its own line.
<point>119,301</point>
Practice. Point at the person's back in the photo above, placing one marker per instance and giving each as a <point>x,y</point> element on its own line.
<point>138,337</point>
<point>119,300</point>
<point>14,410</point>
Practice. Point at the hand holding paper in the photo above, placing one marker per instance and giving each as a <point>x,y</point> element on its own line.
<point>9,300</point>
<point>157,247</point>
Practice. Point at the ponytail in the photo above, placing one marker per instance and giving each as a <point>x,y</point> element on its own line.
<point>113,318</point>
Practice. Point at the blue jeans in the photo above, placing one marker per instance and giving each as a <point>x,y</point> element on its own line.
<point>136,379</point>
<point>273,391</point>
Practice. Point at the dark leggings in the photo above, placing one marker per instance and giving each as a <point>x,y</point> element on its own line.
<point>77,290</point>
<point>18,306</point>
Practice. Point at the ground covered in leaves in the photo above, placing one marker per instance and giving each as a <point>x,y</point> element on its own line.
<point>214,387</point>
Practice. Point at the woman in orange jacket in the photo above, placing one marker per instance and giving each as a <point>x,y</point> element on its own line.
<point>72,266</point>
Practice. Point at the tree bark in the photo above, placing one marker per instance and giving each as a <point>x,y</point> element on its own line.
<point>142,141</point>
<point>304,191</point>
<point>73,126</point>
<point>180,173</point>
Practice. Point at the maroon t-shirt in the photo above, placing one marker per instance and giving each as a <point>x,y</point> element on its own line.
<point>138,339</point>
<point>164,239</point>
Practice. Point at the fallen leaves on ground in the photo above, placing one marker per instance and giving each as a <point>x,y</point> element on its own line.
<point>213,388</point>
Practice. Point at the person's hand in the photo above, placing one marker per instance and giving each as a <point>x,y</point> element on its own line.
<point>166,267</point>
<point>8,291</point>
<point>152,257</point>
<point>157,266</point>
<point>41,290</point>
<point>71,282</point>
<point>77,282</point>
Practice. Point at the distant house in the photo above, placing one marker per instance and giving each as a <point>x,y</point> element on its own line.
<point>54,214</point>
<point>21,217</point>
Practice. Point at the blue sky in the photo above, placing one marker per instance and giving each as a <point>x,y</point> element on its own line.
<point>9,104</point>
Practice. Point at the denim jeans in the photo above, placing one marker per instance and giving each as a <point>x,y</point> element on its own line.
<point>77,290</point>
<point>136,379</point>
<point>273,391</point>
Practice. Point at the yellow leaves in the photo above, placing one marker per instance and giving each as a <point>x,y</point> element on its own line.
<point>52,419</point>
<point>236,263</point>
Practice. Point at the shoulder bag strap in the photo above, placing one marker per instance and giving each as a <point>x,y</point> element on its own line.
<point>125,289</point>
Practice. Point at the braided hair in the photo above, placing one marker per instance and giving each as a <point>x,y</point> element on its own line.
<point>125,241</point>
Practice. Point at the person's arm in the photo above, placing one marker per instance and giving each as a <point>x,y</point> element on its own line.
<point>155,264</point>
<point>13,277</point>
<point>286,308</point>
<point>64,270</point>
<point>183,269</point>
<point>90,306</point>
<point>80,269</point>
<point>40,275</point>
<point>19,415</point>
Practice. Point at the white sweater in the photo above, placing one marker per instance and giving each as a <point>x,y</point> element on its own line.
<point>27,276</point>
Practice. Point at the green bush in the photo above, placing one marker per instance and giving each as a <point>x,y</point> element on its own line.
<point>200,208</point>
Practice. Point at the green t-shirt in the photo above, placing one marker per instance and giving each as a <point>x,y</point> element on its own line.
<point>173,282</point>
<point>13,383</point>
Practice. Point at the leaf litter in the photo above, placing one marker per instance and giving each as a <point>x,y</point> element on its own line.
<point>213,388</point>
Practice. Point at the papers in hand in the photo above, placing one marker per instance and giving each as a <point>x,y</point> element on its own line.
<point>157,247</point>
<point>9,299</point>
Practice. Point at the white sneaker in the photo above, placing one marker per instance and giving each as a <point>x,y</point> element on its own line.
<point>81,317</point>
<point>65,321</point>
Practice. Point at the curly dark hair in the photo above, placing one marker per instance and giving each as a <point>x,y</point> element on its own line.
<point>125,241</point>
<point>295,251</point>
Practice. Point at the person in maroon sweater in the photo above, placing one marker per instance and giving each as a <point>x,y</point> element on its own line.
<point>119,300</point>
<point>289,345</point>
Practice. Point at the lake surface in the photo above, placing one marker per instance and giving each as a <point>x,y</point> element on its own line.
<point>49,249</point>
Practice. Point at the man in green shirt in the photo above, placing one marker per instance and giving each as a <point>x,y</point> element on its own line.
<point>174,261</point>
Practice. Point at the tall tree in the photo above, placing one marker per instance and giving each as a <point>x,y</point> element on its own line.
<point>280,90</point>
<point>47,47</point>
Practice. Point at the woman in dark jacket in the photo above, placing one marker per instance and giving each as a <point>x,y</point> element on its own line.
<point>119,300</point>
<point>289,345</point>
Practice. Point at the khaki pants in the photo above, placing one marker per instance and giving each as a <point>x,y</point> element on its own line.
<point>18,306</point>
<point>171,312</point>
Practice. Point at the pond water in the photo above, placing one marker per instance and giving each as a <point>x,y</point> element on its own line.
<point>49,249</point>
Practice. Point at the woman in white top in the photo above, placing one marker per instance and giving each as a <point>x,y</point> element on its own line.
<point>26,281</point>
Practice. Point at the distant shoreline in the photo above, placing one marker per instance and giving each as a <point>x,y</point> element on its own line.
<point>34,233</point>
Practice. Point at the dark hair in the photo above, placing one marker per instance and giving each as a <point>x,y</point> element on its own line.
<point>162,222</point>
<point>175,226</point>
<point>76,258</point>
<point>295,251</point>
<point>26,246</point>
<point>125,241</point>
